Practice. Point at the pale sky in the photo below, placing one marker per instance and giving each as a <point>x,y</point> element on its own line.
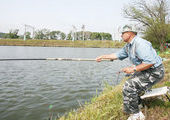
<point>96,15</point>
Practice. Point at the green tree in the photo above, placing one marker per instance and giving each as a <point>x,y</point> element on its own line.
<point>153,16</point>
<point>87,35</point>
<point>42,34</point>
<point>53,35</point>
<point>57,35</point>
<point>2,35</point>
<point>95,36</point>
<point>63,35</point>
<point>90,36</point>
<point>28,35</point>
<point>106,36</point>
<point>69,36</point>
<point>13,34</point>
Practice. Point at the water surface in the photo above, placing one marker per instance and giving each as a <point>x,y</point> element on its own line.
<point>29,88</point>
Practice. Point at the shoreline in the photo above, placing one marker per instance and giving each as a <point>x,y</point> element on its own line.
<point>63,43</point>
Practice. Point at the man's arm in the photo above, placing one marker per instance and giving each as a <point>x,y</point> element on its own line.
<point>109,57</point>
<point>141,67</point>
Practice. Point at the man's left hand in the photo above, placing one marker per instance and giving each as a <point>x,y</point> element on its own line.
<point>128,70</point>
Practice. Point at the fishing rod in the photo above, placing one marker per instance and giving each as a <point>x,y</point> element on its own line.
<point>60,59</point>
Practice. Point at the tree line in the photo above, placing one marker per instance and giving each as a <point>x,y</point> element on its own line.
<point>58,35</point>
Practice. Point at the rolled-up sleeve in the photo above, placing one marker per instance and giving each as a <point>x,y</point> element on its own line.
<point>122,54</point>
<point>146,53</point>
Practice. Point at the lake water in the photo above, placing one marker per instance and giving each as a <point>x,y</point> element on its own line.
<point>32,90</point>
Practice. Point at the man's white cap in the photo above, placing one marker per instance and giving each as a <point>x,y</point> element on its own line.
<point>128,28</point>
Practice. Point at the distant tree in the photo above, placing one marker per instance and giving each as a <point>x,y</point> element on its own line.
<point>153,15</point>
<point>87,35</point>
<point>69,36</point>
<point>90,36</point>
<point>28,35</point>
<point>79,35</point>
<point>38,34</point>
<point>72,36</point>
<point>2,35</point>
<point>42,34</point>
<point>106,36</point>
<point>57,35</point>
<point>95,36</point>
<point>63,35</point>
<point>53,35</point>
<point>13,34</point>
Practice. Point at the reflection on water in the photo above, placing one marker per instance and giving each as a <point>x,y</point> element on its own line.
<point>34,89</point>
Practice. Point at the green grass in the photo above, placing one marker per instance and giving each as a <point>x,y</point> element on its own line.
<point>165,54</point>
<point>108,104</point>
<point>62,43</point>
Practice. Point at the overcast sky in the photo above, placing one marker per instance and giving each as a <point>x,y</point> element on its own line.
<point>96,15</point>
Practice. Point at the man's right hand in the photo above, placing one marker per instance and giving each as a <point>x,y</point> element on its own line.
<point>108,57</point>
<point>99,59</point>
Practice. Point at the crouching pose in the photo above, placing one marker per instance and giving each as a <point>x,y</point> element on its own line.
<point>147,70</point>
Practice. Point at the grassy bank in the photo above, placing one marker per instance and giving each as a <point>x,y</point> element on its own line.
<point>62,43</point>
<point>108,105</point>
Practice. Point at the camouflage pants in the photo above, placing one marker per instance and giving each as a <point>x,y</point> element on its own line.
<point>137,84</point>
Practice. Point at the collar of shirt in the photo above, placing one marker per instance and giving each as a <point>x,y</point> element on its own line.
<point>132,41</point>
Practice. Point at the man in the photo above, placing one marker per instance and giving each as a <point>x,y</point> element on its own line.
<point>147,70</point>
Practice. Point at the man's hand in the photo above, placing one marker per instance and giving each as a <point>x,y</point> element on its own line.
<point>107,57</point>
<point>99,59</point>
<point>128,70</point>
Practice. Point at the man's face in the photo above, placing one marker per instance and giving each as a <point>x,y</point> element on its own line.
<point>126,36</point>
